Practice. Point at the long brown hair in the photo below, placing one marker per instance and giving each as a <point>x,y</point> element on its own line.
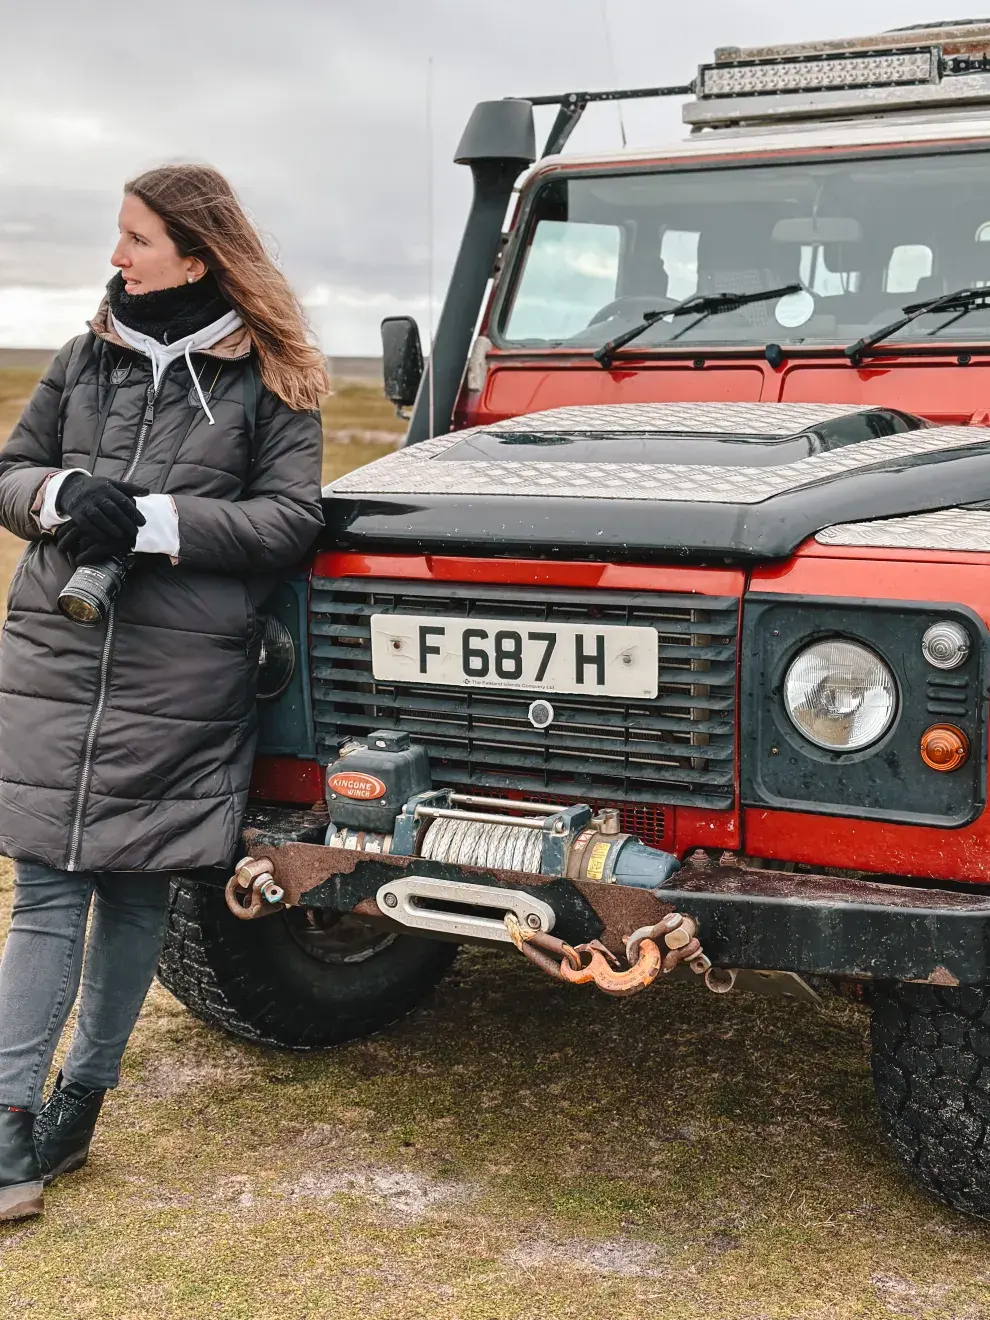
<point>204,219</point>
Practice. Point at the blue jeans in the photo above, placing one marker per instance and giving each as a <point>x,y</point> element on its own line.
<point>42,967</point>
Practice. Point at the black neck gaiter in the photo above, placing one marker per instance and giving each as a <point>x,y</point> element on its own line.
<point>168,314</point>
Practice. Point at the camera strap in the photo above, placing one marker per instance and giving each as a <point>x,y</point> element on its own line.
<point>74,368</point>
<point>251,392</point>
<point>101,425</point>
<point>78,361</point>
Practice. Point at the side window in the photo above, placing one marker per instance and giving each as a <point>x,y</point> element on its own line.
<point>909,264</point>
<point>679,255</point>
<point>570,273</point>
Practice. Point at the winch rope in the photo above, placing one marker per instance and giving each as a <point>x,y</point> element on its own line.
<point>483,843</point>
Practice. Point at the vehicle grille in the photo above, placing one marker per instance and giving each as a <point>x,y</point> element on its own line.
<point>646,821</point>
<point>677,749</point>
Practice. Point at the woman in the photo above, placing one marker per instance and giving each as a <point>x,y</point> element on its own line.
<point>182,431</point>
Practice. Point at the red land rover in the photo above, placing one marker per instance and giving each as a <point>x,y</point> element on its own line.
<point>661,647</point>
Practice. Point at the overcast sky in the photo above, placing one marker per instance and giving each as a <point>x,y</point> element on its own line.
<point>317,111</point>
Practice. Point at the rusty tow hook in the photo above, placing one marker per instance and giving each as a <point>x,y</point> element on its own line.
<point>251,891</point>
<point>602,968</point>
<point>594,964</point>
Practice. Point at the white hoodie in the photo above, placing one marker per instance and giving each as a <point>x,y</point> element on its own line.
<point>160,533</point>
<point>162,354</point>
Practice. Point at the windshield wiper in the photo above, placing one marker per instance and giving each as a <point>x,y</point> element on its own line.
<point>704,304</point>
<point>961,301</point>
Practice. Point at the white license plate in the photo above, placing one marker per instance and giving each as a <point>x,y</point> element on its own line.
<point>604,659</point>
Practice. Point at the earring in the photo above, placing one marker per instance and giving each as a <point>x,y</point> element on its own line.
<point>190,279</point>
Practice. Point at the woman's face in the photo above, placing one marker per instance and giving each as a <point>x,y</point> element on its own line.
<point>145,255</point>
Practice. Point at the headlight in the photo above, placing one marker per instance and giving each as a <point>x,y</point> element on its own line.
<point>277,660</point>
<point>840,695</point>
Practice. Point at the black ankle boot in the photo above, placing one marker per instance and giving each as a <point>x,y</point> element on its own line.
<point>21,1188</point>
<point>64,1128</point>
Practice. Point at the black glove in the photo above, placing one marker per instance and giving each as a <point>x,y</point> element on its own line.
<point>82,549</point>
<point>102,515</point>
<point>100,511</point>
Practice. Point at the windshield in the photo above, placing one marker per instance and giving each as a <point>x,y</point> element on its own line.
<point>863,238</point>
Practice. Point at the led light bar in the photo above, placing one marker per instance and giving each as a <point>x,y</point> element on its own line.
<point>828,73</point>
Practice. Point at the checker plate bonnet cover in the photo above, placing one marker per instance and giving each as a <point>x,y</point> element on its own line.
<point>753,511</point>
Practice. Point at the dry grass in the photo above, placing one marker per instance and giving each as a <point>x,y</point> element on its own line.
<point>513,1151</point>
<point>358,410</point>
<point>15,389</point>
<point>16,384</point>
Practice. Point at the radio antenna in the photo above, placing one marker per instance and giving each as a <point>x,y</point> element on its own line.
<point>429,238</point>
<point>612,72</point>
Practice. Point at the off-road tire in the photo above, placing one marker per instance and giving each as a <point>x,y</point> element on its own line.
<point>931,1071</point>
<point>253,980</point>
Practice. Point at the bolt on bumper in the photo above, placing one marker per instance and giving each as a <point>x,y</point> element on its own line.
<point>746,918</point>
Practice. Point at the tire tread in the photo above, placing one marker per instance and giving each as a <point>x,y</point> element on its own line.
<point>230,978</point>
<point>932,1081</point>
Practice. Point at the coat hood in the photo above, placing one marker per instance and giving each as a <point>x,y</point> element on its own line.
<point>231,348</point>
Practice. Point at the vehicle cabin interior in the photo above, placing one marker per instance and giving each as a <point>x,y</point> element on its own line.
<point>862,237</point>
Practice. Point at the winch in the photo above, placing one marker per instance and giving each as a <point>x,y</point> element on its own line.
<point>382,805</point>
<point>465,829</point>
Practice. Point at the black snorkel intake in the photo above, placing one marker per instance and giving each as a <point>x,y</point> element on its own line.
<point>498,143</point>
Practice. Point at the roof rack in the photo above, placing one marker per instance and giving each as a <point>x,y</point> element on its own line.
<point>573,105</point>
<point>942,23</point>
<point>954,37</point>
<point>923,66</point>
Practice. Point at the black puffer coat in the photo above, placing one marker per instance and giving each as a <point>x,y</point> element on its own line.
<point>128,746</point>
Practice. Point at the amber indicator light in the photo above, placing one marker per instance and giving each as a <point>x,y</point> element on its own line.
<point>944,747</point>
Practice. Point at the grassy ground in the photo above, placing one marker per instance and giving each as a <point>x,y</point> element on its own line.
<point>512,1151</point>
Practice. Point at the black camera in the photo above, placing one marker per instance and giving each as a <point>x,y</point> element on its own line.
<point>89,594</point>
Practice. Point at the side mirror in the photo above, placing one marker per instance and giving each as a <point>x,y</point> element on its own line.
<point>402,360</point>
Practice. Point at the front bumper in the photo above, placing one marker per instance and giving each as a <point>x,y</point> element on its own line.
<point>747,918</point>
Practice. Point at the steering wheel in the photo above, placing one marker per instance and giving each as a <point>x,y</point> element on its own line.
<point>633,303</point>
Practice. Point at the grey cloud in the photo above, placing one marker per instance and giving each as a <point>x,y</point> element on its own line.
<point>317,112</point>
<point>51,237</point>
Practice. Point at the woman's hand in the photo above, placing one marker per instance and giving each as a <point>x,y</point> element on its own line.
<point>103,518</point>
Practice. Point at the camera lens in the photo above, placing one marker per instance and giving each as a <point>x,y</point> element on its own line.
<point>89,594</point>
<point>79,608</point>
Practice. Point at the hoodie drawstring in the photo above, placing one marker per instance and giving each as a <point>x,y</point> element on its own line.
<point>199,388</point>
<point>162,354</point>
